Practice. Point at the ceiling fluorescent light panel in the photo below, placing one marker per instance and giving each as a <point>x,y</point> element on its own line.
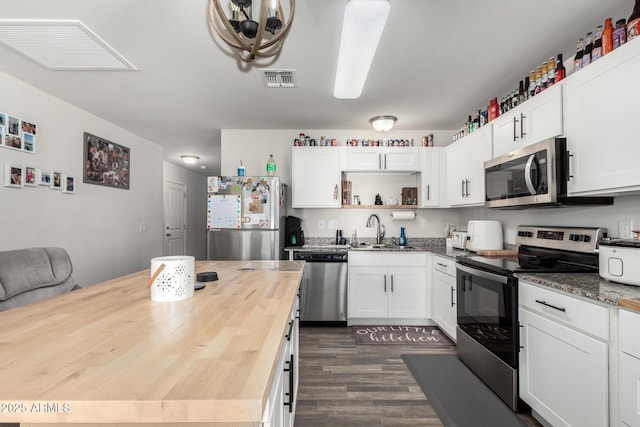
<point>364,21</point>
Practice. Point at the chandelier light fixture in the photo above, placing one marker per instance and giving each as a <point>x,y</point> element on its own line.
<point>383,123</point>
<point>240,31</point>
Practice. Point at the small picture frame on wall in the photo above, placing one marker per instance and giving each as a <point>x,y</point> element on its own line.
<point>13,175</point>
<point>56,181</point>
<point>44,177</point>
<point>68,184</point>
<point>30,176</point>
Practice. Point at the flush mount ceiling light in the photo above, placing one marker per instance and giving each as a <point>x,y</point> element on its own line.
<point>383,123</point>
<point>190,160</point>
<point>362,28</point>
<point>241,32</point>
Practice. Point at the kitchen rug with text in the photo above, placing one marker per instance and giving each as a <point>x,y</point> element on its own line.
<point>427,335</point>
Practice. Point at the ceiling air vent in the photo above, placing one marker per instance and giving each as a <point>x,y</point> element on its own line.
<point>279,78</point>
<point>61,45</point>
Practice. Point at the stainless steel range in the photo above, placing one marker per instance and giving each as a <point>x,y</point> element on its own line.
<point>487,298</point>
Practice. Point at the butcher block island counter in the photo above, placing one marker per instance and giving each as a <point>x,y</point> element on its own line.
<point>108,354</point>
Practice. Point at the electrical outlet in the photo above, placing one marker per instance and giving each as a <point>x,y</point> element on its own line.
<point>332,224</point>
<point>321,224</point>
<point>624,228</point>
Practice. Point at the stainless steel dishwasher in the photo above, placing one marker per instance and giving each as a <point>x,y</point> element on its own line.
<point>324,287</point>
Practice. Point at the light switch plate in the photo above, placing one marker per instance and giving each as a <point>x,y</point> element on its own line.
<point>624,228</point>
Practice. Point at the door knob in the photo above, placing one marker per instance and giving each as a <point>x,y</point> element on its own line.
<point>168,234</point>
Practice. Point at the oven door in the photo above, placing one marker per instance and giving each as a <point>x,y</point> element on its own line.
<point>523,177</point>
<point>487,311</point>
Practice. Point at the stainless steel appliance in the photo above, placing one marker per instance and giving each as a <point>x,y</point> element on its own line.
<point>245,218</point>
<point>487,298</point>
<point>534,176</point>
<point>620,261</point>
<point>324,287</point>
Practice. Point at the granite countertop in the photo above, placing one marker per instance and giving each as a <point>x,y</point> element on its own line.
<point>588,285</point>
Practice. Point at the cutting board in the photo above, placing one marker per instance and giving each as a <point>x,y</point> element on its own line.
<point>498,253</point>
<point>632,303</point>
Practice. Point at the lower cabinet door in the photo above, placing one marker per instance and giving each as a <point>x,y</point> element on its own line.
<point>629,390</point>
<point>368,292</point>
<point>407,293</point>
<point>563,373</point>
<point>444,303</point>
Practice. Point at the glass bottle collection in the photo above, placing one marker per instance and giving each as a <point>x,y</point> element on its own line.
<point>589,49</point>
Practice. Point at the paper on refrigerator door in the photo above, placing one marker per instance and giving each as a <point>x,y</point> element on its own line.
<point>223,211</point>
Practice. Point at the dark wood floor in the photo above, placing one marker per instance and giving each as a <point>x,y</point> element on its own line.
<point>344,384</point>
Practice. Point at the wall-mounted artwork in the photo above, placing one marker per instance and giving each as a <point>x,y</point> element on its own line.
<point>30,176</point>
<point>56,180</point>
<point>68,184</point>
<point>105,162</point>
<point>17,134</point>
<point>13,175</point>
<point>44,177</point>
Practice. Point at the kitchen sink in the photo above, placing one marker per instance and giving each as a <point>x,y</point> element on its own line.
<point>382,248</point>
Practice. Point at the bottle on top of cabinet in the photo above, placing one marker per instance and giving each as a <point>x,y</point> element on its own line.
<point>596,52</point>
<point>577,61</point>
<point>620,33</point>
<point>607,37</point>
<point>588,48</point>
<point>560,71</point>
<point>633,23</point>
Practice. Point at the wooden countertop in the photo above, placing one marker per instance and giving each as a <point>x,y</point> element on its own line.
<point>107,353</point>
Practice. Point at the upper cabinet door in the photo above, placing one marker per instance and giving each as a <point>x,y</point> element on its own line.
<point>401,158</point>
<point>535,120</point>
<point>316,177</point>
<point>390,159</point>
<point>363,159</point>
<point>432,178</point>
<point>602,117</point>
<point>465,168</point>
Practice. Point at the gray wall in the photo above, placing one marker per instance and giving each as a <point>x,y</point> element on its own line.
<point>98,226</point>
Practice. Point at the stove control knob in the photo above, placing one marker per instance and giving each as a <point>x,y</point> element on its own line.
<point>586,238</point>
<point>529,234</point>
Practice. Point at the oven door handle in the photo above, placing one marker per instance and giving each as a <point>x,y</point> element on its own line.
<point>484,274</point>
<point>527,175</point>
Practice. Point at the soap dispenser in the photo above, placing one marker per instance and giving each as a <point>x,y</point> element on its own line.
<point>403,239</point>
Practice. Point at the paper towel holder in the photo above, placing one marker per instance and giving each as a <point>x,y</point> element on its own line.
<point>406,215</point>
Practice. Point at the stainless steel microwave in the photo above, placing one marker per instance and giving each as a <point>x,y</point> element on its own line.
<point>534,176</point>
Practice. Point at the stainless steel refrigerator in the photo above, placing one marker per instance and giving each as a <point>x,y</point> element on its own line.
<point>245,218</point>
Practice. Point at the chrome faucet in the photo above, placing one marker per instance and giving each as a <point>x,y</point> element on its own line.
<point>379,232</point>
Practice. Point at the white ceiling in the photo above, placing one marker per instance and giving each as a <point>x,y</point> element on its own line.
<point>437,62</point>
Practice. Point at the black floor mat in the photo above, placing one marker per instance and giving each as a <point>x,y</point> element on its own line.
<point>459,397</point>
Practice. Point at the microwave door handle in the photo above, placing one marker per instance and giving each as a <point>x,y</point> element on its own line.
<point>527,175</point>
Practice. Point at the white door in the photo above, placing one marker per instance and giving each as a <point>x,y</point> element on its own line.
<point>408,292</point>
<point>175,212</point>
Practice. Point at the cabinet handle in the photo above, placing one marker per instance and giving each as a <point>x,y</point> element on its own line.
<point>379,161</point>
<point>385,283</point>
<point>467,187</point>
<point>291,384</point>
<point>568,165</point>
<point>288,336</point>
<point>452,292</point>
<point>441,264</point>
<point>552,306</point>
<point>428,192</point>
<point>515,136</point>
<point>522,117</point>
<point>462,187</point>
<point>385,161</point>
<point>392,283</point>
<point>335,192</point>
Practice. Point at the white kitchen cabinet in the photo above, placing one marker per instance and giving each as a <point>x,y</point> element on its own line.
<point>601,118</point>
<point>387,285</point>
<point>444,295</point>
<point>316,177</point>
<point>465,167</point>
<point>432,179</point>
<point>563,367</point>
<point>629,366</point>
<point>390,159</point>
<point>281,403</point>
<point>537,119</point>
